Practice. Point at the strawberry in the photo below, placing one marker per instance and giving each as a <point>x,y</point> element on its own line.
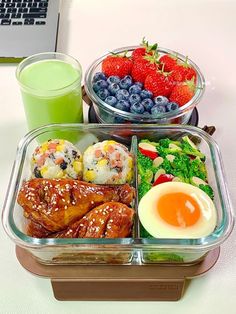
<point>159,83</point>
<point>143,50</point>
<point>183,92</point>
<point>138,53</point>
<point>168,62</point>
<point>183,72</point>
<point>117,65</point>
<point>141,68</point>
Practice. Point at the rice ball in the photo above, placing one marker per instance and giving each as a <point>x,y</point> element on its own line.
<point>107,162</point>
<point>57,159</point>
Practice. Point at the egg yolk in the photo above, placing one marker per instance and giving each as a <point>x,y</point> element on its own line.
<point>178,209</point>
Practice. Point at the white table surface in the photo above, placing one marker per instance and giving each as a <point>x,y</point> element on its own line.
<point>201,29</point>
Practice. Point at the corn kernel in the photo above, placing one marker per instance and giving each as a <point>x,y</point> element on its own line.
<point>60,148</point>
<point>77,165</point>
<point>111,142</point>
<point>44,147</point>
<point>44,170</point>
<point>89,175</point>
<point>102,162</point>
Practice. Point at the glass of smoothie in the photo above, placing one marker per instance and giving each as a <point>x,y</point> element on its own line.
<point>51,89</point>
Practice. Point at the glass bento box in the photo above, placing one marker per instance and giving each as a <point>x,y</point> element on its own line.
<point>135,249</point>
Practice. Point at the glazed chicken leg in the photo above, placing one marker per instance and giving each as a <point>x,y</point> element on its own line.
<point>57,203</point>
<point>109,220</point>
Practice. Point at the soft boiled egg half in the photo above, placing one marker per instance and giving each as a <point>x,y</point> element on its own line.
<point>177,210</point>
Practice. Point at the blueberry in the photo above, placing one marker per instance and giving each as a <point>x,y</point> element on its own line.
<point>171,106</point>
<point>135,89</point>
<point>158,109</point>
<point>113,79</point>
<point>139,84</point>
<point>123,105</point>
<point>111,100</point>
<point>161,100</point>
<point>122,94</point>
<point>101,84</point>
<point>128,77</point>
<point>103,93</point>
<point>137,108</point>
<point>126,82</point>
<point>146,113</point>
<point>99,76</point>
<point>113,88</point>
<point>134,99</point>
<point>147,104</point>
<point>146,94</point>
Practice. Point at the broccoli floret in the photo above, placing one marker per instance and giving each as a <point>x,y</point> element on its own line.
<point>178,168</point>
<point>198,169</point>
<point>181,165</point>
<point>145,167</point>
<point>143,188</point>
<point>207,189</point>
<point>144,163</point>
<point>189,148</point>
<point>164,148</point>
<point>165,142</point>
<point>163,151</point>
<point>166,165</point>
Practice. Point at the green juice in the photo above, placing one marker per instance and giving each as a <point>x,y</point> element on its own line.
<point>51,92</point>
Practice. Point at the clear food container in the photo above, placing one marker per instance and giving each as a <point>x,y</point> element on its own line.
<point>132,250</point>
<point>108,114</point>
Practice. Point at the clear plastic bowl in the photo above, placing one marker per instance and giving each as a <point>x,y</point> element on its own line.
<point>133,250</point>
<point>108,114</point>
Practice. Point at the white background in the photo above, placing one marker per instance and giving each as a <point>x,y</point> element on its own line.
<point>202,29</point>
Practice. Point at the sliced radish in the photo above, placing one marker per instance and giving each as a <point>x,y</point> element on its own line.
<point>158,173</point>
<point>158,161</point>
<point>163,178</point>
<point>148,153</point>
<point>147,146</point>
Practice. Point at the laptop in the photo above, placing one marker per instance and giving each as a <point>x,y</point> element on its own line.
<point>27,27</point>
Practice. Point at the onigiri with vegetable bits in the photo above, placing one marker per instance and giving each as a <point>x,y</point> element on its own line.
<point>108,162</point>
<point>57,158</point>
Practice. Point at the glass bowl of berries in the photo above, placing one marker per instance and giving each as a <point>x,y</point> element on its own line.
<point>144,84</point>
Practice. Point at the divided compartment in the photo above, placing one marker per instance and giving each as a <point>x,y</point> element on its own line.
<point>133,250</point>
<point>65,251</point>
<point>188,251</point>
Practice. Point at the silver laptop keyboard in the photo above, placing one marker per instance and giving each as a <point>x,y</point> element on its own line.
<point>23,12</point>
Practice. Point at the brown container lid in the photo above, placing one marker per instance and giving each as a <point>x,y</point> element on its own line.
<point>159,282</point>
